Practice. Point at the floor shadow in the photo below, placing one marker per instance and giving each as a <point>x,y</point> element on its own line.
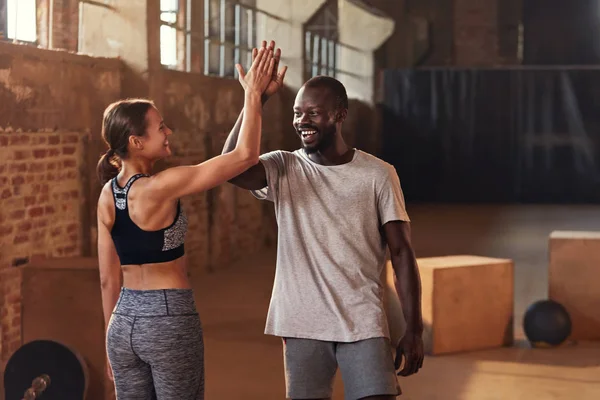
<point>569,354</point>
<point>508,373</point>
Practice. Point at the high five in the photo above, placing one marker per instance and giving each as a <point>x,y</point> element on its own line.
<point>154,335</point>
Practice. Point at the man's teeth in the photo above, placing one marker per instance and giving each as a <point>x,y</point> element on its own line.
<point>308,133</point>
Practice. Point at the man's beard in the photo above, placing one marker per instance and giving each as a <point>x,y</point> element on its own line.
<point>327,137</point>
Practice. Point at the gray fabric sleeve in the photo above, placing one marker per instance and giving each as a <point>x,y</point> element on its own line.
<point>391,199</point>
<point>274,166</point>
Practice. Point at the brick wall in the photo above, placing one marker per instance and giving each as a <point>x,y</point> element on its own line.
<point>41,194</point>
<point>10,314</point>
<point>51,102</point>
<point>462,33</point>
<point>65,24</point>
<point>486,32</point>
<point>475,32</point>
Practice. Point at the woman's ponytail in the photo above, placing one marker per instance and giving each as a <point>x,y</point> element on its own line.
<point>108,167</point>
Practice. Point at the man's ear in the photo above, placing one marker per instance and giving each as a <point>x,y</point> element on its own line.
<point>341,115</point>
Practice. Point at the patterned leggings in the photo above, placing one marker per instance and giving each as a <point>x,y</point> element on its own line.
<point>155,346</point>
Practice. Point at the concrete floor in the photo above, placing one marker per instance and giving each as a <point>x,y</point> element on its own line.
<point>243,363</point>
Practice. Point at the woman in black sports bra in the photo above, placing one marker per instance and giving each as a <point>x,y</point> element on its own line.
<point>154,334</point>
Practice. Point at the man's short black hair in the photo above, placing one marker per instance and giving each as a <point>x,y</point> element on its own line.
<point>336,87</point>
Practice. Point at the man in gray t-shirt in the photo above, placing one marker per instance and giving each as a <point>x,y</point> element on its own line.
<point>338,210</point>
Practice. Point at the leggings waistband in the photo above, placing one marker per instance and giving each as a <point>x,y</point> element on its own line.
<point>156,303</point>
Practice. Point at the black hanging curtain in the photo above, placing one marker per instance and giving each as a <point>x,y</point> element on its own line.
<point>494,135</point>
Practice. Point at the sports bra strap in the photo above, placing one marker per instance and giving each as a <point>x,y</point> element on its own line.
<point>120,193</point>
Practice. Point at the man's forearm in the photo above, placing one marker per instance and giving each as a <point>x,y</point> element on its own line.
<point>232,138</point>
<point>408,286</point>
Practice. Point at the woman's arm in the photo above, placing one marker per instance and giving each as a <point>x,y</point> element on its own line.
<point>177,182</point>
<point>109,264</point>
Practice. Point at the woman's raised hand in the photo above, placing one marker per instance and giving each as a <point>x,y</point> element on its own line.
<point>260,73</point>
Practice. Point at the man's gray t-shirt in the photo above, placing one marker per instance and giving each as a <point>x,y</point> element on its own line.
<point>330,247</point>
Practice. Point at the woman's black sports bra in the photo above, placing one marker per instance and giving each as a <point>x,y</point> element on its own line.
<point>137,246</point>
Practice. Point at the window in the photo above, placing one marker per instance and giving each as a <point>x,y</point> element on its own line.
<point>321,55</point>
<point>321,46</point>
<point>18,20</point>
<point>229,35</point>
<point>175,34</point>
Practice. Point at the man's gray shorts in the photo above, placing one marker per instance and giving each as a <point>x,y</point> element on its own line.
<point>367,368</point>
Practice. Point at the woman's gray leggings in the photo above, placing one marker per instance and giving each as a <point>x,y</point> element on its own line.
<point>155,345</point>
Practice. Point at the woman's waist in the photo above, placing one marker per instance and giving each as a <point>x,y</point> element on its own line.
<point>163,275</point>
<point>147,254</point>
<point>156,302</point>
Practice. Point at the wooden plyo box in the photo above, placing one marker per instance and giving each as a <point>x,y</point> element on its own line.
<point>61,301</point>
<point>574,278</point>
<point>393,307</point>
<point>467,303</point>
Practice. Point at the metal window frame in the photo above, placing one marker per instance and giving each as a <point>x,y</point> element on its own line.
<point>314,62</point>
<point>4,20</point>
<point>185,32</point>
<point>220,39</point>
<point>4,26</point>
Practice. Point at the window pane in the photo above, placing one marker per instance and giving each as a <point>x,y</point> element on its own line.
<point>332,51</point>
<point>213,18</point>
<point>243,24</point>
<point>246,59</point>
<point>315,69</point>
<point>228,21</point>
<point>212,58</point>
<point>237,11</point>
<point>168,45</point>
<point>307,42</point>
<point>21,20</point>
<point>228,60</point>
<point>168,17</point>
<point>315,49</point>
<point>324,48</point>
<point>251,36</point>
<point>169,5</point>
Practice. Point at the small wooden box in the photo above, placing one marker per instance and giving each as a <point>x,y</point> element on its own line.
<point>467,303</point>
<point>574,276</point>
<point>61,300</point>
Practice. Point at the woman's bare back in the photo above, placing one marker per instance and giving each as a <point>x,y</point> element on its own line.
<point>148,215</point>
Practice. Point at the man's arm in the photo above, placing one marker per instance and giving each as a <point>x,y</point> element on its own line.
<point>408,280</point>
<point>255,177</point>
<point>408,286</point>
